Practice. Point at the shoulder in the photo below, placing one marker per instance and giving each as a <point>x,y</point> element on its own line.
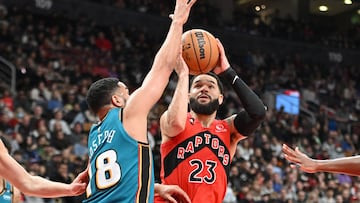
<point>230,122</point>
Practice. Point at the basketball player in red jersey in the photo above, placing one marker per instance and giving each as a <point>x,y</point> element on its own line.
<point>197,148</point>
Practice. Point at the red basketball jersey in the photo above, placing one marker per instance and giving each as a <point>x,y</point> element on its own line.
<point>198,160</point>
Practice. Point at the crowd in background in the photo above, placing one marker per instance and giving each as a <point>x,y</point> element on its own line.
<point>47,120</point>
<point>245,19</point>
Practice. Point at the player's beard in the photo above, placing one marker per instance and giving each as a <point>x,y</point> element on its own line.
<point>204,109</point>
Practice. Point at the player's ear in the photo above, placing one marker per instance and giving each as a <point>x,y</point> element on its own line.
<point>117,101</point>
<point>221,99</point>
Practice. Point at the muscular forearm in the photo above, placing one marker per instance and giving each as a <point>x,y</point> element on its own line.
<point>346,165</point>
<point>171,47</point>
<point>38,186</point>
<point>165,60</point>
<point>177,110</point>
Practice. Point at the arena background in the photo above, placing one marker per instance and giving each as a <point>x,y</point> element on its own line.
<point>51,50</point>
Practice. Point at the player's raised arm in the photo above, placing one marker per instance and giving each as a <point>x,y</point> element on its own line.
<point>248,120</point>
<point>144,98</point>
<point>165,60</point>
<point>172,122</point>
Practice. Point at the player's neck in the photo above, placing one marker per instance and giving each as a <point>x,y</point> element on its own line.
<point>103,112</point>
<point>205,120</point>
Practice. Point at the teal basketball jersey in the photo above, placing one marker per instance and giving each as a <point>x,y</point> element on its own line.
<point>121,168</point>
<point>6,195</point>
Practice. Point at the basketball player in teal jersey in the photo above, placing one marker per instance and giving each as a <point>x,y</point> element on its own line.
<point>8,193</point>
<point>31,185</point>
<point>121,164</point>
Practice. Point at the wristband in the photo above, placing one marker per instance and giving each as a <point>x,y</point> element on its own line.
<point>229,75</point>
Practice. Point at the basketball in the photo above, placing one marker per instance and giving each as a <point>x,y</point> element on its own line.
<point>199,50</point>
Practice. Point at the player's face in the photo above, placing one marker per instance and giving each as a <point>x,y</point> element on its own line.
<point>121,94</point>
<point>205,96</point>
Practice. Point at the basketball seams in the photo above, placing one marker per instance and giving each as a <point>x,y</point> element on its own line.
<point>210,51</point>
<point>195,53</point>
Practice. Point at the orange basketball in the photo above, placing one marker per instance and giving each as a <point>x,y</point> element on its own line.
<point>200,51</point>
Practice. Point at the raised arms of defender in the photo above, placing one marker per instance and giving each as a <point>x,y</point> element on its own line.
<point>144,98</point>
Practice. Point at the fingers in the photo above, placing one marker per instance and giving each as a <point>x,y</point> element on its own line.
<point>182,10</point>
<point>191,2</point>
<point>176,194</point>
<point>288,150</point>
<point>292,159</point>
<point>297,150</point>
<point>182,194</point>
<point>221,47</point>
<point>82,177</point>
<point>171,199</point>
<point>290,154</point>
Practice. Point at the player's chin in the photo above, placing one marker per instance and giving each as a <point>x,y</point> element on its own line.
<point>204,100</point>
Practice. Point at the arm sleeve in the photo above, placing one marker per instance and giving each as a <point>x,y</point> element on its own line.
<point>248,120</point>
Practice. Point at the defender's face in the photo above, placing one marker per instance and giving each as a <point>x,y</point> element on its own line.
<point>121,95</point>
<point>123,90</point>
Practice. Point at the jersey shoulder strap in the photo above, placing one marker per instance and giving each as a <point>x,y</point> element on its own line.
<point>121,114</point>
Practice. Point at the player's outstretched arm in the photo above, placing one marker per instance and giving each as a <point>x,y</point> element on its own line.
<point>36,185</point>
<point>155,82</point>
<point>164,63</point>
<point>346,165</point>
<point>172,193</point>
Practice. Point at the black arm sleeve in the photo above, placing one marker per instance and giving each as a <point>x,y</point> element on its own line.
<point>246,121</point>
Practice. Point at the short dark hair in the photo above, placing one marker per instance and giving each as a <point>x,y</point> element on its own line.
<point>221,87</point>
<point>6,143</point>
<point>100,92</point>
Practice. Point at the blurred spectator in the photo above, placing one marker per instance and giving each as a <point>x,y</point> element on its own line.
<point>80,148</point>
<point>229,196</point>
<point>40,94</point>
<point>328,196</point>
<point>63,175</point>
<point>58,123</point>
<point>244,150</point>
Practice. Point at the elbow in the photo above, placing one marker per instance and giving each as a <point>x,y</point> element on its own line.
<point>163,59</point>
<point>259,115</point>
<point>246,124</point>
<point>176,127</point>
<point>28,188</point>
